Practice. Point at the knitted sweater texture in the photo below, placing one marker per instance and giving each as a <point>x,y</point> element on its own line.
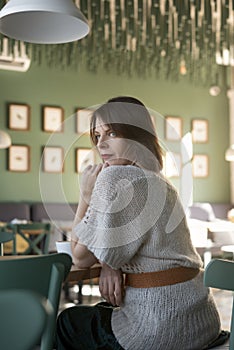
<point>135,222</point>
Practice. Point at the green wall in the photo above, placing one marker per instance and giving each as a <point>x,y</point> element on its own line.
<point>71,89</point>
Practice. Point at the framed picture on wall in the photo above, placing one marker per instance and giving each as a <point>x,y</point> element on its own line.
<point>200,130</point>
<point>83,116</point>
<point>19,158</point>
<point>172,165</point>
<point>173,128</point>
<point>53,118</point>
<point>53,159</point>
<point>84,157</point>
<point>18,116</point>
<point>200,164</point>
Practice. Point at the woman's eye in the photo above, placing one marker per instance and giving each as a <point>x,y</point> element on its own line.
<point>97,137</point>
<point>112,134</point>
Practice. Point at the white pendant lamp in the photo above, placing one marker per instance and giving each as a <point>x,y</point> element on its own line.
<point>43,21</point>
<point>5,140</point>
<point>229,154</point>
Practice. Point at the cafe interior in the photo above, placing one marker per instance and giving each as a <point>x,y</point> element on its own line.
<point>61,59</point>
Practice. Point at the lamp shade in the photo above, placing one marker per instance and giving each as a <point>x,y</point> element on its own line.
<point>5,140</point>
<point>229,154</point>
<point>43,21</point>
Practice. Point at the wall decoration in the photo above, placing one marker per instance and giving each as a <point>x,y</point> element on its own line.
<point>172,164</point>
<point>200,165</point>
<point>53,159</point>
<point>173,128</point>
<point>83,117</point>
<point>200,130</point>
<point>84,157</point>
<point>53,118</point>
<point>19,116</point>
<point>19,158</point>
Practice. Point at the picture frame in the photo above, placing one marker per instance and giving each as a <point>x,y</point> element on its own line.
<point>18,116</point>
<point>200,165</point>
<point>53,118</point>
<point>83,116</point>
<point>84,157</point>
<point>173,163</point>
<point>200,130</point>
<point>19,158</point>
<point>53,159</point>
<point>173,128</point>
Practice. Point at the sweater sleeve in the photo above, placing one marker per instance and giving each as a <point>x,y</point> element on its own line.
<point>119,216</point>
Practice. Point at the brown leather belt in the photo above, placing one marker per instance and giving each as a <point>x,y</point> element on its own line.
<point>161,278</point>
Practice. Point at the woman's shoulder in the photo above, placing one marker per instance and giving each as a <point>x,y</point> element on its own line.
<point>114,180</point>
<point>125,177</point>
<point>116,172</point>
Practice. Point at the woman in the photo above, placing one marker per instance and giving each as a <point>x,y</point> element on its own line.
<point>130,219</point>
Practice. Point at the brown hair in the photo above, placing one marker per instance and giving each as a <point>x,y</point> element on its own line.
<point>130,119</point>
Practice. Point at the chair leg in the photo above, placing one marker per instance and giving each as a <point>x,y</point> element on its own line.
<point>66,291</point>
<point>80,295</point>
<point>1,249</point>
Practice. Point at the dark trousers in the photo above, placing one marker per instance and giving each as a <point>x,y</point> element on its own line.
<point>86,328</point>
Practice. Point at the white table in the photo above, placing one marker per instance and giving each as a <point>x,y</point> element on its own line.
<point>228,249</point>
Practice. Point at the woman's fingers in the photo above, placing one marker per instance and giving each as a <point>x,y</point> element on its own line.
<point>88,179</point>
<point>118,294</point>
<point>95,169</point>
<point>111,285</point>
<point>107,291</point>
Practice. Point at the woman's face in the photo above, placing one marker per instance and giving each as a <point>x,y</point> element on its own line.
<point>112,149</point>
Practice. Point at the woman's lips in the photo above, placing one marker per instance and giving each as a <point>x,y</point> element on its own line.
<point>106,156</point>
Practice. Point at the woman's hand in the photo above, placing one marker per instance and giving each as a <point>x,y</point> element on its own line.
<point>88,179</point>
<point>111,285</point>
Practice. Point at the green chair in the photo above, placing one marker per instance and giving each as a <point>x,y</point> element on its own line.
<point>43,274</point>
<point>5,236</point>
<point>22,319</point>
<point>220,274</point>
<point>36,234</point>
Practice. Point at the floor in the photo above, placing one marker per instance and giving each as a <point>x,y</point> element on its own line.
<point>91,296</point>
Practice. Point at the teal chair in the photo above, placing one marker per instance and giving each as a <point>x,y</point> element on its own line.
<point>23,318</point>
<point>43,274</point>
<point>220,274</point>
<point>36,234</point>
<point>5,236</point>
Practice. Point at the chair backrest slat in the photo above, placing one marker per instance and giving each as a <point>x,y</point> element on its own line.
<point>5,236</point>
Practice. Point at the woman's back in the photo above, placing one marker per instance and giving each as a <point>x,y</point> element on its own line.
<point>151,238</point>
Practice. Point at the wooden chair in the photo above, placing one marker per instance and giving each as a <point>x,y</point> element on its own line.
<point>5,236</point>
<point>36,234</point>
<point>42,274</point>
<point>22,319</point>
<point>220,274</point>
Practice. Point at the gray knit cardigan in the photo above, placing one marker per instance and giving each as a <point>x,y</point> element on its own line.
<point>135,223</point>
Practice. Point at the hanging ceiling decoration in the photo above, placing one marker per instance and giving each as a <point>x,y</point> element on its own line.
<point>161,38</point>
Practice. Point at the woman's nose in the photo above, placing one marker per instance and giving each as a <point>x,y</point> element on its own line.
<point>102,142</point>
